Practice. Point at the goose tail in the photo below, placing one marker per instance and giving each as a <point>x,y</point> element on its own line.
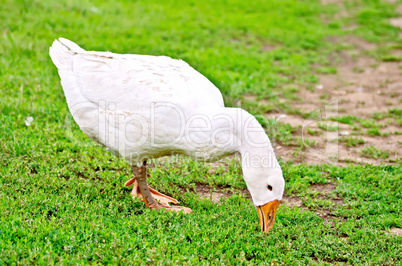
<point>61,53</point>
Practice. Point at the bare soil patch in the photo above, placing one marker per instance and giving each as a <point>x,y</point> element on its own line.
<point>396,231</point>
<point>293,202</point>
<point>396,22</point>
<point>325,191</point>
<point>324,188</point>
<point>361,87</point>
<point>215,194</point>
<point>209,193</point>
<point>326,2</point>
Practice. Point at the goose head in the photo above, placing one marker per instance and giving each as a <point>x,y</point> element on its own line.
<point>266,186</point>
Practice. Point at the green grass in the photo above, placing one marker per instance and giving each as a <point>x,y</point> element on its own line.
<point>314,132</point>
<point>328,126</point>
<point>373,152</point>
<point>62,199</point>
<point>392,58</point>
<point>71,219</point>
<point>326,70</point>
<point>395,113</point>
<point>351,141</point>
<point>369,123</point>
<point>346,119</point>
<point>373,132</point>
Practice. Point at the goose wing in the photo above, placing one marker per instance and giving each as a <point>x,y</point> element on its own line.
<point>131,81</point>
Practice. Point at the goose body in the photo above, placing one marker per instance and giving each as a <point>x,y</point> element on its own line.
<point>142,107</point>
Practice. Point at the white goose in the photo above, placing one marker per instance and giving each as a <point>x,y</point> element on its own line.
<point>142,107</point>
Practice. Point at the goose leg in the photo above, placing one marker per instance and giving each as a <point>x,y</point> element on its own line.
<point>159,197</point>
<point>152,198</point>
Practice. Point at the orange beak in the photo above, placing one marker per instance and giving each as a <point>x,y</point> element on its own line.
<point>267,213</point>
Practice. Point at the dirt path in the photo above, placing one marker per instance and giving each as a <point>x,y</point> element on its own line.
<point>363,89</point>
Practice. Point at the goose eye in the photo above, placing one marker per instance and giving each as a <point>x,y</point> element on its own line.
<point>270,187</point>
